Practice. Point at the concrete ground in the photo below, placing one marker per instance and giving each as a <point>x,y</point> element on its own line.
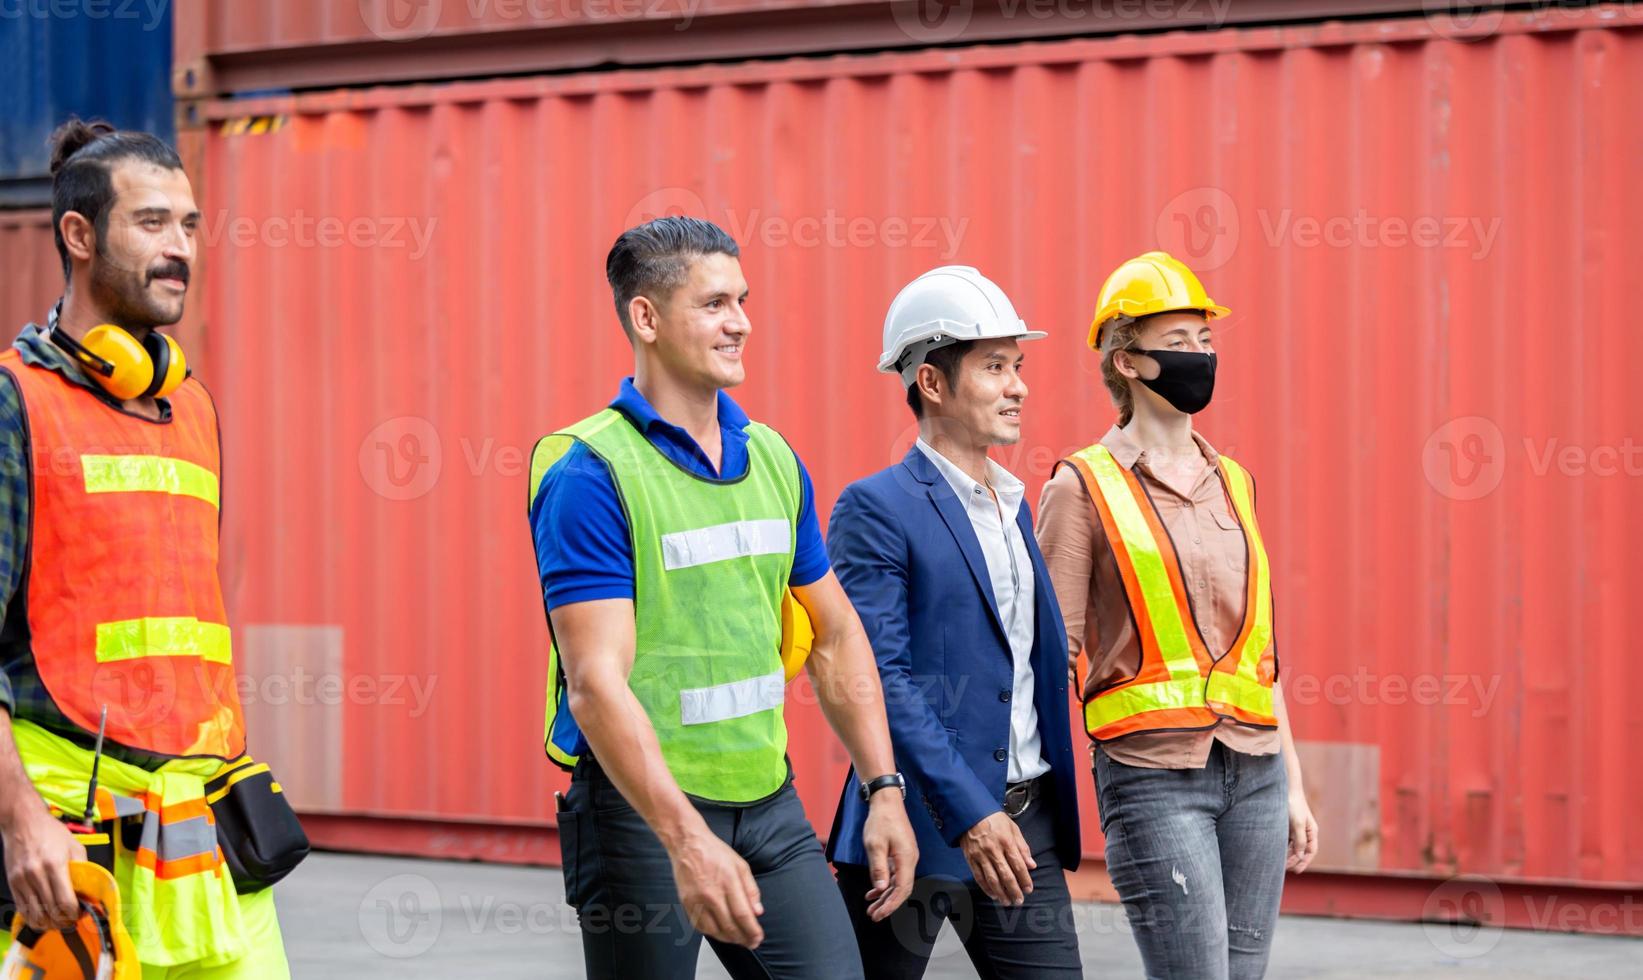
<point>355,916</point>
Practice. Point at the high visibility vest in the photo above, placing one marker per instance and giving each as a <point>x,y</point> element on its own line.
<point>124,606</point>
<point>1181,684</point>
<point>711,560</point>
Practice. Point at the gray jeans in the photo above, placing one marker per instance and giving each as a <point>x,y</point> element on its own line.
<point>1197,856</point>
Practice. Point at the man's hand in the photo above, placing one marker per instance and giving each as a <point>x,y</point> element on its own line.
<point>892,853</point>
<point>717,890</point>
<point>1303,834</point>
<point>1000,859</point>
<point>38,850</point>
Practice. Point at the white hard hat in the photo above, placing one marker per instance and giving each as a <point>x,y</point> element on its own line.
<point>947,305</point>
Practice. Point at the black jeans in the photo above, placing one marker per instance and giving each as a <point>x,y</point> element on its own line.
<point>620,881</point>
<point>1037,939</point>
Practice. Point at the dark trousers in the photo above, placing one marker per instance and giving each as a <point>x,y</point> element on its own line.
<point>1034,940</point>
<point>619,879</point>
<point>1197,856</point>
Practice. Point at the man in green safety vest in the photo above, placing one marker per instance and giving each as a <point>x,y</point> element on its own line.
<point>669,531</point>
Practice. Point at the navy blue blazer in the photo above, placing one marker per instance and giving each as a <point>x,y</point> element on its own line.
<point>909,559</point>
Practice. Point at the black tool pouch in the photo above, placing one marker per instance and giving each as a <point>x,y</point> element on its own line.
<point>262,840</point>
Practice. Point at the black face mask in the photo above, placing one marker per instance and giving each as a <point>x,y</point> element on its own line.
<point>1186,379</point>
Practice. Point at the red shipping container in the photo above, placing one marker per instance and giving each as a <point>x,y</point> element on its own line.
<point>34,273</point>
<point>224,48</point>
<point>1426,242</point>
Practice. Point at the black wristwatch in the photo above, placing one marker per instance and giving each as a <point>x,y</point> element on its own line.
<point>883,782</point>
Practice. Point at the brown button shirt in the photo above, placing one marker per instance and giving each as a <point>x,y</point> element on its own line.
<point>1214,562</point>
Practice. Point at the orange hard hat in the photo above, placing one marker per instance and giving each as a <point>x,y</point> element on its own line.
<point>96,947</point>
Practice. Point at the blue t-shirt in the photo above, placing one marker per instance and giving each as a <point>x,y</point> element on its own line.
<point>583,550</point>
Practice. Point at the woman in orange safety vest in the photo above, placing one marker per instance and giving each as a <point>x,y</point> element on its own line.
<point>1158,562</point>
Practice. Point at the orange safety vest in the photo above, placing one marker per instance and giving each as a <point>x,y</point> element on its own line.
<point>1180,685</point>
<point>125,609</point>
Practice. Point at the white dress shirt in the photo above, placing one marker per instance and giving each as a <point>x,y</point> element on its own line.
<point>1011,570</point>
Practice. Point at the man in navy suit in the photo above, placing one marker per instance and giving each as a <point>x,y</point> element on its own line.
<point>938,557</point>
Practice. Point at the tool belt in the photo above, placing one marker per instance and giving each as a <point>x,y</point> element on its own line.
<point>259,835</point>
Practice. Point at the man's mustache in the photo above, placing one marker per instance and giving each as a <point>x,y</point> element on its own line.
<point>171,270</point>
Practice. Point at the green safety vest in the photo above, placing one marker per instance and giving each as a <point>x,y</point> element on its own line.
<point>711,560</point>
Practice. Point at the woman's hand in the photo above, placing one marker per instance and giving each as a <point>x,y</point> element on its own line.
<point>1303,833</point>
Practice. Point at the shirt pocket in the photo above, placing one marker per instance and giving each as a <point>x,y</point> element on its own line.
<point>1230,541</point>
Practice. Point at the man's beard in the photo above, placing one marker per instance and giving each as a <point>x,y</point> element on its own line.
<point>123,297</point>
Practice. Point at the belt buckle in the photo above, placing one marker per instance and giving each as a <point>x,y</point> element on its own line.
<point>1016,799</point>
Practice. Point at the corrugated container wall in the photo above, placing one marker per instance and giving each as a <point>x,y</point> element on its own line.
<point>1428,244</point>
<point>226,48</point>
<point>34,274</point>
<point>110,60</point>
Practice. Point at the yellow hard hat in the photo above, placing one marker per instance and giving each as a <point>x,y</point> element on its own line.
<point>97,947</point>
<point>797,635</point>
<point>1153,282</point>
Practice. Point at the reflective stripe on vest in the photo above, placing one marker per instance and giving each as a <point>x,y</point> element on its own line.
<point>138,473</point>
<point>125,608</point>
<point>711,565</point>
<point>162,636</point>
<point>1180,684</point>
<point>721,542</point>
<point>1241,685</point>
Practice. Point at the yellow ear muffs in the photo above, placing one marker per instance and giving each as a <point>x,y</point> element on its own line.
<point>797,635</point>
<point>170,367</point>
<point>97,947</point>
<point>125,367</point>
<point>117,361</point>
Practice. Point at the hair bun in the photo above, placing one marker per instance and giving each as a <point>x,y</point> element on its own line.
<point>69,138</point>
